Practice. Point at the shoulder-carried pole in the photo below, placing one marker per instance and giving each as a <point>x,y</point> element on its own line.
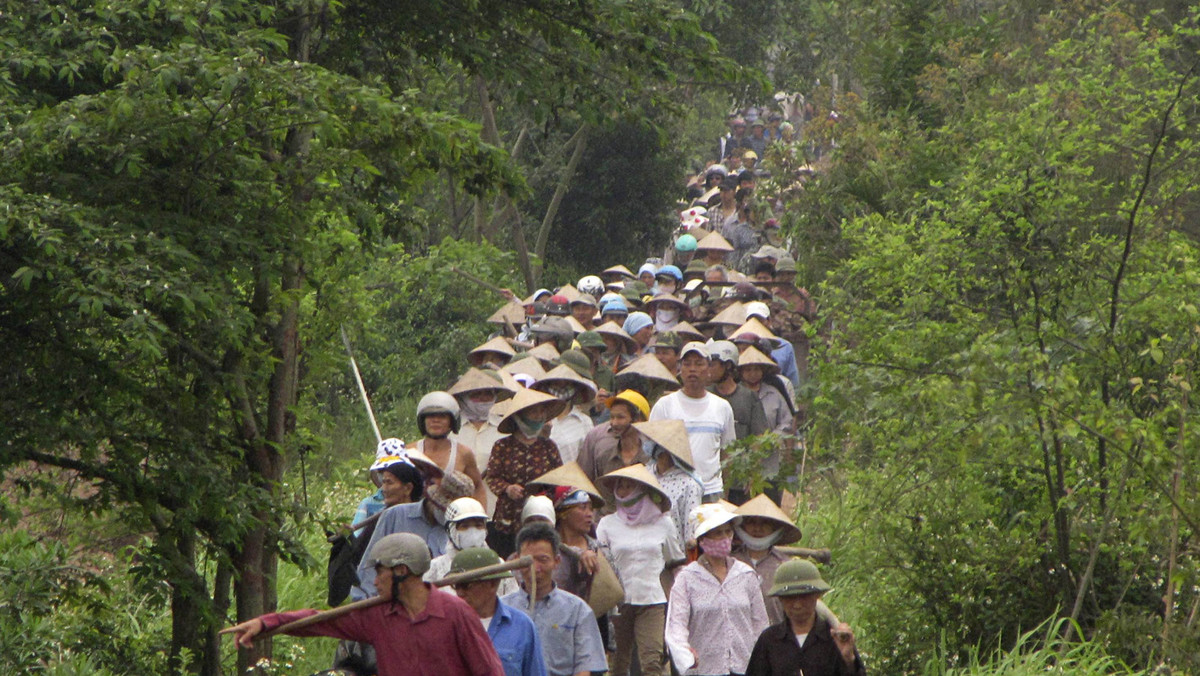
<point>361,388</point>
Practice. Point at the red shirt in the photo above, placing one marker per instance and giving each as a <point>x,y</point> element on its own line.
<point>402,644</point>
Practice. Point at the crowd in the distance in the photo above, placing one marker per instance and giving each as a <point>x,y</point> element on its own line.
<point>588,434</point>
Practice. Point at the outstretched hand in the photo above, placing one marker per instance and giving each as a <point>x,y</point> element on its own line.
<point>245,632</point>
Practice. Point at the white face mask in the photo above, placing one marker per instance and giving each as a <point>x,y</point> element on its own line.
<point>468,538</point>
<point>665,315</point>
<point>477,411</point>
<point>758,544</point>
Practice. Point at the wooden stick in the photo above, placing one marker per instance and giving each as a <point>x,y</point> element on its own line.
<point>351,527</point>
<point>376,600</point>
<point>481,282</point>
<point>819,555</point>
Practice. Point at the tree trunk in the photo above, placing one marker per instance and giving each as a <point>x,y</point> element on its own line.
<point>564,182</point>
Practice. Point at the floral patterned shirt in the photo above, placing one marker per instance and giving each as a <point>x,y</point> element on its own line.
<point>513,462</point>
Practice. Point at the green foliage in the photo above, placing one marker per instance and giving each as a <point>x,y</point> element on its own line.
<point>1034,653</point>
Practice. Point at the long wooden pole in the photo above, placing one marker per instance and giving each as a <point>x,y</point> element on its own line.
<point>819,555</point>
<point>362,389</point>
<point>523,562</point>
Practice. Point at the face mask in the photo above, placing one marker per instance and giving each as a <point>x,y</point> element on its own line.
<point>530,428</point>
<point>665,315</point>
<point>638,510</point>
<point>564,392</point>
<point>477,411</point>
<point>466,539</point>
<point>717,549</point>
<point>758,544</point>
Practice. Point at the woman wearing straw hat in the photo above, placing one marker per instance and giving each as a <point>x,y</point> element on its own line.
<point>764,527</point>
<point>671,465</point>
<point>621,347</point>
<point>641,542</point>
<point>716,611</point>
<point>518,459</point>
<point>568,428</point>
<point>477,392</point>
<point>615,444</point>
<point>666,310</point>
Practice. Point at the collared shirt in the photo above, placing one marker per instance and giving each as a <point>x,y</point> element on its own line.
<point>513,462</point>
<point>719,620</point>
<point>639,554</point>
<point>785,356</point>
<point>600,454</point>
<point>402,642</point>
<point>685,491</point>
<point>516,640</point>
<point>370,505</point>
<point>776,652</point>
<point>708,431</point>
<point>404,518</point>
<point>568,631</point>
<point>568,432</point>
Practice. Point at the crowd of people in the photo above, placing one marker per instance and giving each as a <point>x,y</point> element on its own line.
<point>588,434</point>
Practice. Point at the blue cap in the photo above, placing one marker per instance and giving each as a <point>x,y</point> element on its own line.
<point>615,305</point>
<point>669,271</point>
<point>636,322</point>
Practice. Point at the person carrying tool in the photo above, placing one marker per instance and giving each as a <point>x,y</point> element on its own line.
<point>413,617</point>
<point>513,634</point>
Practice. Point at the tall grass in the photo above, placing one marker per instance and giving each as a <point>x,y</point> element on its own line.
<point>1039,651</point>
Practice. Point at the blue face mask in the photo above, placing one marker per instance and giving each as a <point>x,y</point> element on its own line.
<point>530,428</point>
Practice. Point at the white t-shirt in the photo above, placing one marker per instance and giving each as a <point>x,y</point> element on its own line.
<point>709,423</point>
<point>568,432</point>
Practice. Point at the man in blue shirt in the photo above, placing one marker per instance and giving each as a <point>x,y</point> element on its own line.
<point>512,632</point>
<point>566,626</point>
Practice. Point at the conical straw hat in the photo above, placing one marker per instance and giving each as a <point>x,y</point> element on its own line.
<point>620,270</point>
<point>671,435</point>
<point>752,356</point>
<point>528,365</point>
<point>648,366</point>
<point>714,242</point>
<point>757,328</point>
<point>734,315</point>
<point>689,332</point>
<point>576,327</point>
<point>565,373</point>
<point>572,476</point>
<point>498,345</point>
<point>764,507</point>
<point>613,329</point>
<point>476,379</point>
<point>667,299</point>
<point>640,474</point>
<point>510,383</point>
<point>523,401</point>
<point>545,352</point>
<point>572,294</point>
<point>511,312</point>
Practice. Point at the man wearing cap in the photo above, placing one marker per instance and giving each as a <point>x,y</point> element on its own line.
<point>708,418</point>
<point>615,444</point>
<point>412,617</point>
<point>667,345</point>
<point>804,642</point>
<point>583,309</point>
<point>513,634</point>
<point>566,626</point>
<point>748,416</point>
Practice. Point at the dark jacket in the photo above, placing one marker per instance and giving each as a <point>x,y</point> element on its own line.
<point>776,653</point>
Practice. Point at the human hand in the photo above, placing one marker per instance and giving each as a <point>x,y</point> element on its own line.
<point>245,632</point>
<point>588,562</point>
<point>843,636</point>
<point>515,491</point>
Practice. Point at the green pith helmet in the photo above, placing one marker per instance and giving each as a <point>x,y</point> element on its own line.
<point>477,557</point>
<point>797,577</point>
<point>590,339</point>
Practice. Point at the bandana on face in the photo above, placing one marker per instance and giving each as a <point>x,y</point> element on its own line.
<point>477,411</point>
<point>638,509</point>
<point>717,549</point>
<point>758,544</point>
<point>565,392</point>
<point>530,428</point>
<point>466,538</point>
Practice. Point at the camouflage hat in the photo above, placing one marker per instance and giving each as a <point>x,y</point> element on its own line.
<point>590,339</point>
<point>667,339</point>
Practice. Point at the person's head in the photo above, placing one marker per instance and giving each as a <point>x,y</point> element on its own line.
<point>399,559</point>
<point>668,278</point>
<point>764,271</point>
<point>480,593</point>
<point>624,487</point>
<point>716,273</point>
<point>752,374</point>
<point>466,523</point>
<point>576,514</point>
<point>758,128</point>
<point>443,491</point>
<point>540,541</point>
<point>640,327</point>
<point>738,126</point>
<point>626,408</point>
<point>538,508</point>
<point>758,526</point>
<point>798,585</point>
<point>646,273</point>
<point>729,188</point>
<point>713,525</point>
<point>787,131</point>
<point>749,159</point>
<point>584,311</point>
<point>477,404</point>
<point>693,367</point>
<point>400,482</point>
<point>723,359</point>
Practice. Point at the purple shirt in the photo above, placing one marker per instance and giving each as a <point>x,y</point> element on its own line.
<point>402,644</point>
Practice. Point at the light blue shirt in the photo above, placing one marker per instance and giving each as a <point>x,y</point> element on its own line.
<point>516,641</point>
<point>366,509</point>
<point>405,518</point>
<point>785,356</point>
<point>568,631</point>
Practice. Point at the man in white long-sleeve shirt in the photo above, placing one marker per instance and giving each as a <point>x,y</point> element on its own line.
<point>708,418</point>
